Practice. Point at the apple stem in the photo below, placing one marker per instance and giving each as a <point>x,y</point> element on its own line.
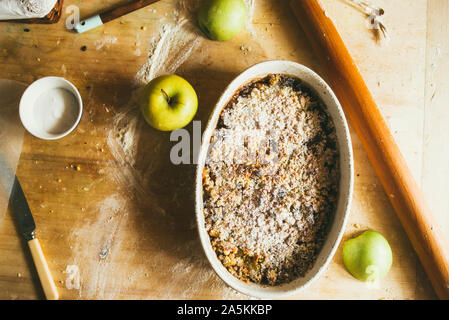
<point>166,96</point>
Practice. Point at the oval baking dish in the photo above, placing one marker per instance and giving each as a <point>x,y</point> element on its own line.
<point>336,228</point>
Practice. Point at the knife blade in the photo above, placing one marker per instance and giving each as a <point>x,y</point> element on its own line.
<point>27,227</point>
<point>22,211</point>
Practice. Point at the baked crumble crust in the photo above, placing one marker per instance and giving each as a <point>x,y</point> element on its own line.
<point>270,182</point>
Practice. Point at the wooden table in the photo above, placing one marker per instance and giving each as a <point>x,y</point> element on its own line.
<point>126,223</point>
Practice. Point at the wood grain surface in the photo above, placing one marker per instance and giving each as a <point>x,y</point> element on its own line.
<point>120,229</point>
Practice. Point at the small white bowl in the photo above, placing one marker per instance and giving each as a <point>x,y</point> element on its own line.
<point>336,230</point>
<point>51,108</point>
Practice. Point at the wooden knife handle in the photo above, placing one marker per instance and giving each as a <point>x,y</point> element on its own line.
<point>385,156</point>
<point>50,290</point>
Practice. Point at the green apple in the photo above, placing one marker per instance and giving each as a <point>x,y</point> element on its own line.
<point>222,19</point>
<point>367,257</point>
<point>168,102</point>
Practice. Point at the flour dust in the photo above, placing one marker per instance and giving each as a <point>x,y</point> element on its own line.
<point>155,200</point>
<point>97,244</point>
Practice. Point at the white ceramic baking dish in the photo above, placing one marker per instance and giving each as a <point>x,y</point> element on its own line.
<point>345,188</point>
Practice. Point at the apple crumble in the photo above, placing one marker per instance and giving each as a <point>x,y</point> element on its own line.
<point>270,182</point>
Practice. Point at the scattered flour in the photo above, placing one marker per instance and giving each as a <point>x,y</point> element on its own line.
<point>176,41</point>
<point>99,279</point>
<point>169,50</point>
<point>251,5</point>
<point>104,237</point>
<point>137,52</point>
<point>106,41</point>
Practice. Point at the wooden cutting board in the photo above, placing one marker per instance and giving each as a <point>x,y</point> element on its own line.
<point>123,225</point>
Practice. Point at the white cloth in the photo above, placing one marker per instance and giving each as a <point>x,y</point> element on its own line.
<point>11,138</point>
<point>25,9</point>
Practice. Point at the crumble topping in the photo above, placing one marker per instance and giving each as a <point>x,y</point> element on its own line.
<point>270,182</point>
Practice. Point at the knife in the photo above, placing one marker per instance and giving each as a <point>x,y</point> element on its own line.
<point>27,226</point>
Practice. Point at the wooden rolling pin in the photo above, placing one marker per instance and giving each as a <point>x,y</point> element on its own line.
<point>385,156</point>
